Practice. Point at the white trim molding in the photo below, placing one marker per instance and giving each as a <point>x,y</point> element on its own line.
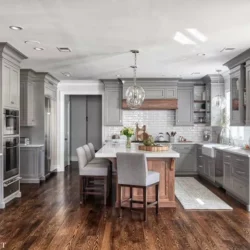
<point>74,87</point>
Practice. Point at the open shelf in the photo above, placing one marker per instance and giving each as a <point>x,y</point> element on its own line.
<point>197,111</point>
<point>199,101</point>
<point>199,122</point>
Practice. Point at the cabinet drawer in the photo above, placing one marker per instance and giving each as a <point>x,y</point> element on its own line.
<point>240,189</point>
<point>11,189</point>
<point>184,148</point>
<point>227,157</point>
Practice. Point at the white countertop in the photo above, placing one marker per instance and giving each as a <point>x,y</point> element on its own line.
<point>110,150</point>
<point>31,145</point>
<point>238,150</point>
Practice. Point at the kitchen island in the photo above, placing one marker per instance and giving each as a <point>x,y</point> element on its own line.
<point>162,162</point>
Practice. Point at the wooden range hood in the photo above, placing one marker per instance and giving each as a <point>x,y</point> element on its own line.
<point>155,104</point>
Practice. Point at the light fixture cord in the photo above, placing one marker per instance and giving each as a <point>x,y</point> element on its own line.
<point>135,67</point>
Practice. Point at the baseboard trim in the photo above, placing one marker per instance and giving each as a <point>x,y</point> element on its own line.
<point>29,181</point>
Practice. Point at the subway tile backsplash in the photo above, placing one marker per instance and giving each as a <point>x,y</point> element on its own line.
<point>156,122</point>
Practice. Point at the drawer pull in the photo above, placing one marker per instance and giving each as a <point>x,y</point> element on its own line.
<point>200,166</point>
<point>228,156</point>
<point>240,172</point>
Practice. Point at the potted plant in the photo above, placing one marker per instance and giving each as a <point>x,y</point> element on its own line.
<point>128,132</point>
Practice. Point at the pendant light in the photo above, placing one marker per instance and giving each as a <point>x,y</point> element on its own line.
<point>135,94</point>
<point>219,101</point>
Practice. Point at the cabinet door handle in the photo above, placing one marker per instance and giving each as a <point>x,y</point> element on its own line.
<point>228,156</point>
<point>200,156</point>
<point>200,166</point>
<point>12,102</point>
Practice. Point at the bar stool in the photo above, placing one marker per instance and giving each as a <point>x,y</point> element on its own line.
<point>87,171</point>
<point>90,153</point>
<point>132,171</point>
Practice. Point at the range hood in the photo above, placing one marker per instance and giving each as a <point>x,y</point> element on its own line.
<point>155,104</point>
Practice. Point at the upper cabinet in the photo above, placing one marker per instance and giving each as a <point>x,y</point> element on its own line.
<point>240,89</point>
<point>113,103</point>
<point>184,113</point>
<point>10,71</point>
<point>214,87</point>
<point>27,98</point>
<point>154,88</point>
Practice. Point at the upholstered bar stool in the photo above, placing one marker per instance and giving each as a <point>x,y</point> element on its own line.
<point>87,171</point>
<point>132,171</point>
<point>90,152</point>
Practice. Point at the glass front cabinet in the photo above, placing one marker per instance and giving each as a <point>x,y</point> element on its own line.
<point>238,96</point>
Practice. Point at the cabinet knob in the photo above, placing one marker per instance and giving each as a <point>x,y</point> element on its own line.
<point>12,102</point>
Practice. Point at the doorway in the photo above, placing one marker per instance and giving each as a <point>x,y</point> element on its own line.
<point>83,123</point>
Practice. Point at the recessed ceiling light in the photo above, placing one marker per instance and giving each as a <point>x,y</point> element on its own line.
<point>197,34</point>
<point>66,74</point>
<point>64,49</point>
<point>38,48</point>
<point>201,54</point>
<point>182,39</point>
<point>32,42</point>
<point>195,73</point>
<point>118,76</point>
<point>227,49</point>
<point>15,27</point>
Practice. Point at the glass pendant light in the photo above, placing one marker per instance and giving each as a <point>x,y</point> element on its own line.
<point>135,94</point>
<point>219,101</point>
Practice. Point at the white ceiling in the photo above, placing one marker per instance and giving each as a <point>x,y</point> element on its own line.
<point>101,33</point>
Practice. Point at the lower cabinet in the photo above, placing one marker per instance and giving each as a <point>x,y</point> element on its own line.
<point>208,168</point>
<point>236,177</point>
<point>186,164</point>
<point>32,169</point>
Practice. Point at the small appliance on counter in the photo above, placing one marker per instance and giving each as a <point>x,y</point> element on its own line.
<point>160,137</point>
<point>24,140</point>
<point>206,135</point>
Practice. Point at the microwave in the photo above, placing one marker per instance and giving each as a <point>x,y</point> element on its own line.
<point>11,122</point>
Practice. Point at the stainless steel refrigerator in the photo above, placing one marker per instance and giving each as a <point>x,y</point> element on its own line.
<point>47,127</point>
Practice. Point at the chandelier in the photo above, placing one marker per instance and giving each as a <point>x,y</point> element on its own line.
<point>135,94</point>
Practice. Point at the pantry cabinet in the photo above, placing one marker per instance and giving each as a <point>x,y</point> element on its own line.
<point>27,102</point>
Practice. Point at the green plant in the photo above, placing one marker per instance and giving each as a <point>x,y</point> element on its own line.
<point>127,131</point>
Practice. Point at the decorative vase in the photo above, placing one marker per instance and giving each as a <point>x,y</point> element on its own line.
<point>128,144</point>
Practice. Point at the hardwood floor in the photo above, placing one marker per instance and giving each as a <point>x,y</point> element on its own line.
<point>50,217</point>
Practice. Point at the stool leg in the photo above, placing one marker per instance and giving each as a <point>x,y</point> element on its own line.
<point>157,198</point>
<point>105,190</point>
<point>84,180</point>
<point>119,200</point>
<point>81,189</point>
<point>145,203</point>
<point>131,197</point>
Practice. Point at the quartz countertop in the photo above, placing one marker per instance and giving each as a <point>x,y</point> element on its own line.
<point>31,145</point>
<point>238,150</point>
<point>110,150</point>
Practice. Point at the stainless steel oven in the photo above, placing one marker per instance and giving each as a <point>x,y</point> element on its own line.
<point>11,122</point>
<point>10,157</point>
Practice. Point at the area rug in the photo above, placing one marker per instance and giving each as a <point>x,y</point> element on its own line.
<point>193,195</point>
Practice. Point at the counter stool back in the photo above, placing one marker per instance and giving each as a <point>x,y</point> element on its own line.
<point>132,171</point>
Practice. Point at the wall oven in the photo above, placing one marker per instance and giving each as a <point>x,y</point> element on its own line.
<point>10,157</point>
<point>11,122</point>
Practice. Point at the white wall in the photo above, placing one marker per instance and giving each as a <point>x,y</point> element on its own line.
<point>87,87</point>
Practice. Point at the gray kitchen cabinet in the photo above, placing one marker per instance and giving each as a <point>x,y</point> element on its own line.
<point>186,164</point>
<point>227,168</point>
<point>247,93</point>
<point>154,88</point>
<point>214,87</point>
<point>237,85</point>
<point>32,168</point>
<point>209,168</point>
<point>184,113</point>
<point>112,105</point>
<point>200,165</point>
<point>219,167</point>
<point>11,88</point>
<point>27,103</point>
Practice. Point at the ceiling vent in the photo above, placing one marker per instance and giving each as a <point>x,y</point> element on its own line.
<point>64,49</point>
<point>227,49</point>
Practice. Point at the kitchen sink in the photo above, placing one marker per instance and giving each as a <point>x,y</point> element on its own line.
<point>209,149</point>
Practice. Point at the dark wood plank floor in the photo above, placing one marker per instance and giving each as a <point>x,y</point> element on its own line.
<point>49,217</point>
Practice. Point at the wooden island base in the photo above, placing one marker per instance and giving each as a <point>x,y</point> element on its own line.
<point>166,168</point>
